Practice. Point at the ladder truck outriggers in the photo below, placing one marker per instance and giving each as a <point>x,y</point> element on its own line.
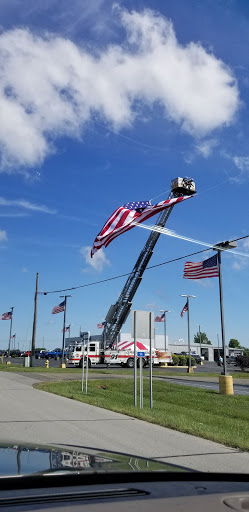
<point>107,349</point>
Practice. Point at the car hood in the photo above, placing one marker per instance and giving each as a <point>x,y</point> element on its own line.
<point>23,459</point>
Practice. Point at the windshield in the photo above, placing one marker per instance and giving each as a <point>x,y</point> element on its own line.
<point>124,238</point>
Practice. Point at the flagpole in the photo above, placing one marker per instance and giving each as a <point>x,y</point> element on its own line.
<point>64,325</point>
<point>34,323</point>
<point>189,348</point>
<point>222,316</point>
<point>63,336</point>
<point>10,330</point>
<point>189,355</point>
<point>164,311</point>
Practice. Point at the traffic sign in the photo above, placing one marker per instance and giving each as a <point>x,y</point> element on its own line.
<point>140,354</point>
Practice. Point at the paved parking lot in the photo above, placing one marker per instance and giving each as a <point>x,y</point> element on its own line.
<point>210,367</point>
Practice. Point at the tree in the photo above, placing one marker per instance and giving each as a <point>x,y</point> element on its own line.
<point>234,343</point>
<point>204,338</point>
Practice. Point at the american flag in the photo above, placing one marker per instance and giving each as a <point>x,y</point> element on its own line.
<point>127,216</point>
<point>66,329</point>
<point>101,325</point>
<point>160,318</point>
<point>206,268</point>
<point>184,309</point>
<point>13,336</point>
<point>7,316</point>
<point>59,309</point>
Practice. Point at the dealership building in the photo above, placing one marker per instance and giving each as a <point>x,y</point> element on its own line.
<point>209,352</point>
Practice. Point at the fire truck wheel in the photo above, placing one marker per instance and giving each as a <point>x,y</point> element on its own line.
<point>130,362</point>
<point>80,363</point>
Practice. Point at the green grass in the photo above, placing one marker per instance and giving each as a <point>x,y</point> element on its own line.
<point>203,413</point>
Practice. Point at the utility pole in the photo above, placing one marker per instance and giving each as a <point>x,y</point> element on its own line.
<point>63,332</point>
<point>164,311</point>
<point>34,323</point>
<point>11,309</point>
<point>189,349</point>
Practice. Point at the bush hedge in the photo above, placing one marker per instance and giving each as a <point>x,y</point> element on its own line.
<point>243,362</point>
<point>175,359</point>
<point>182,360</point>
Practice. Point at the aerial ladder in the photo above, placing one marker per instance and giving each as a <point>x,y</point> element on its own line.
<point>119,312</point>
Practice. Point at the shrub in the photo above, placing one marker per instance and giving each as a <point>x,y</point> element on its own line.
<point>175,360</point>
<point>243,362</point>
<point>193,362</point>
<point>182,360</point>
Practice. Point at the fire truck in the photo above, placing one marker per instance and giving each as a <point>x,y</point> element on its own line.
<point>122,355</point>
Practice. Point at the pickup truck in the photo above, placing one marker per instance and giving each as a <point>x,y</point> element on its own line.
<point>57,352</point>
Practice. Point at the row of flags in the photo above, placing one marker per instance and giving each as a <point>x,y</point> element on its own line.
<point>202,269</point>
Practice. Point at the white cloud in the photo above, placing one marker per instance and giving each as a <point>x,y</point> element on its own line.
<point>205,147</point>
<point>3,235</point>
<point>98,262</point>
<point>240,262</point>
<point>22,203</point>
<point>50,87</point>
<point>242,162</point>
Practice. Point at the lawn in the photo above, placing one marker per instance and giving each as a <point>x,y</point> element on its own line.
<point>201,412</point>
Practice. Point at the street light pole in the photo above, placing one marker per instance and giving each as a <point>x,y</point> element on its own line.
<point>222,246</point>
<point>10,330</point>
<point>189,349</point>
<point>164,311</point>
<point>64,326</point>
<point>34,323</point>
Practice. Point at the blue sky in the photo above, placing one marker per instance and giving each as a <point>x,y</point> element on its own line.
<point>105,104</point>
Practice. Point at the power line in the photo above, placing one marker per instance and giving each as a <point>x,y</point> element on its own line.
<point>129,273</point>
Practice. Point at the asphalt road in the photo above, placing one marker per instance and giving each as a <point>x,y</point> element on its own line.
<point>34,416</point>
<point>210,367</point>
<point>239,389</point>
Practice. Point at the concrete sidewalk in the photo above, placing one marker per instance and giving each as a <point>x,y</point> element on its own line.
<point>34,416</point>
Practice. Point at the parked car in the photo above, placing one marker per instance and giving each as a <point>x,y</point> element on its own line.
<point>41,354</point>
<point>52,354</point>
<point>15,353</point>
<point>197,358</point>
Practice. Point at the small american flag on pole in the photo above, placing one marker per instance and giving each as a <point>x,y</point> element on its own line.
<point>13,336</point>
<point>184,309</point>
<point>201,270</point>
<point>59,309</point>
<point>101,325</point>
<point>127,216</point>
<point>160,318</point>
<point>66,329</point>
<point>7,316</point>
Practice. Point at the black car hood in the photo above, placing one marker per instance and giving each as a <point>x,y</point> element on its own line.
<point>23,459</point>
